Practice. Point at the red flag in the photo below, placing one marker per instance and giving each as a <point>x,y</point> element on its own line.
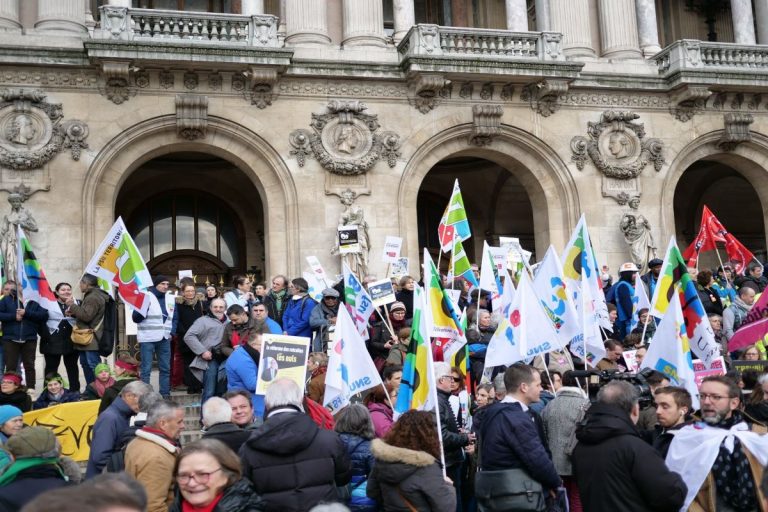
<point>710,232</point>
<point>739,255</point>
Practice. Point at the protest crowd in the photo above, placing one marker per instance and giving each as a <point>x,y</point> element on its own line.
<point>504,386</point>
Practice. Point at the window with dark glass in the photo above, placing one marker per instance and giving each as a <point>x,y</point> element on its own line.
<point>224,6</point>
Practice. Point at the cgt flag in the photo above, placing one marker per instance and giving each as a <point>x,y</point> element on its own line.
<point>33,283</point>
<point>418,376</point>
<point>118,261</point>
<point>454,223</point>
<point>711,232</point>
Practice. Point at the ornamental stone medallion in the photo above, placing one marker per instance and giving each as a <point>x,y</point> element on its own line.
<point>345,140</point>
<point>617,146</point>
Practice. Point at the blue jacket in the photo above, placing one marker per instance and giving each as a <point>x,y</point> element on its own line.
<point>508,438</point>
<point>359,451</point>
<point>274,327</point>
<point>242,372</point>
<point>45,399</point>
<point>107,431</point>
<point>34,317</point>
<point>296,317</point>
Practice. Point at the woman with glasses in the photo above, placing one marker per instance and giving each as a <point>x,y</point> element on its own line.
<point>13,393</point>
<point>209,479</point>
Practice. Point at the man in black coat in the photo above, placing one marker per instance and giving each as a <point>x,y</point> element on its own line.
<point>217,419</point>
<point>293,464</point>
<point>615,469</point>
<point>454,441</point>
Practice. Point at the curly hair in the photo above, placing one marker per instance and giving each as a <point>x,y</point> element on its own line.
<point>415,430</point>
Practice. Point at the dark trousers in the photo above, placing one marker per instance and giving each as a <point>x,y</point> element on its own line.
<point>454,473</point>
<point>27,351</point>
<point>52,362</point>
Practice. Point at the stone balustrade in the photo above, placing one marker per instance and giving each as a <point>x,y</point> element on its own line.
<point>690,54</point>
<point>120,23</point>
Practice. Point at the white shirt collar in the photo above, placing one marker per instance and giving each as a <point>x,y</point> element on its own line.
<point>509,399</point>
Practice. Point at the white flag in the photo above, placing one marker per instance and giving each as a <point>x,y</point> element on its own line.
<point>550,287</point>
<point>490,279</point>
<point>350,367</point>
<point>524,332</point>
<point>316,285</point>
<point>670,352</point>
<point>590,346</point>
<point>639,301</point>
<point>358,302</point>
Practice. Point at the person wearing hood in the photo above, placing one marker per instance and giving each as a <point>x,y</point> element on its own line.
<point>299,309</point>
<point>407,473</point>
<point>55,393</point>
<point>323,319</point>
<point>154,335</point>
<point>202,338</point>
<point>735,314</point>
<point>615,468</point>
<point>11,422</point>
<point>292,463</point>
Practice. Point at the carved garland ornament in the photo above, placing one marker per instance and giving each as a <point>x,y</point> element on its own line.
<point>31,131</point>
<point>345,140</point>
<point>617,146</point>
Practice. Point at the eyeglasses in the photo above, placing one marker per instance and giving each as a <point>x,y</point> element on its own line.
<point>456,379</point>
<point>8,382</point>
<point>714,398</point>
<point>201,477</point>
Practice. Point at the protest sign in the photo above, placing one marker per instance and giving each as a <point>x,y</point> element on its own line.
<point>185,273</point>
<point>399,268</point>
<point>282,356</point>
<point>392,246</point>
<point>317,269</point>
<point>758,366</point>
<point>72,423</point>
<point>316,285</point>
<point>748,335</point>
<point>700,370</point>
<point>630,358</point>
<point>349,243</point>
<point>381,292</point>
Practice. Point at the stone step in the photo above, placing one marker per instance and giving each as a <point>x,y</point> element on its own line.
<point>189,436</point>
<point>182,398</point>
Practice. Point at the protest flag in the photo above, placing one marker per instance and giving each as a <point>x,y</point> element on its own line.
<point>441,316</point>
<point>738,255</point>
<point>358,302</point>
<point>418,376</point>
<point>118,261</point>
<point>33,284</point>
<point>549,285</point>
<point>579,258</point>
<point>639,301</point>
<point>712,231</point>
<point>670,351</point>
<point>460,263</point>
<point>589,347</point>
<point>460,357</point>
<point>454,223</point>
<point>525,330</point>
<point>489,276</point>
<point>350,367</point>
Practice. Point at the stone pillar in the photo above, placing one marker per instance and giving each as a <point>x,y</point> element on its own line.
<point>63,16</point>
<point>543,22</point>
<point>306,22</point>
<point>571,18</point>
<point>251,7</point>
<point>119,3</point>
<point>405,18</point>
<point>761,14</point>
<point>743,22</point>
<point>363,23</point>
<point>647,29</point>
<point>517,15</point>
<point>618,29</point>
<point>9,15</point>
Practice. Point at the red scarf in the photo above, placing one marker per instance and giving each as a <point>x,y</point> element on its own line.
<point>100,387</point>
<point>186,507</point>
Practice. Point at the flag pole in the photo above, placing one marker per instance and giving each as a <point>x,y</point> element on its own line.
<point>717,251</point>
<point>384,320</point>
<point>431,365</point>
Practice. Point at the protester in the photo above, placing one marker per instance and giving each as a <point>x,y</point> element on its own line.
<point>716,322</point>
<point>551,381</point>
<point>622,292</point>
<point>398,351</point>
<point>55,393</point>
<point>240,294</point>
<point>116,462</point>
<point>757,404</point>
<point>262,320</point>
<point>188,309</point>
<point>21,323</point>
<point>673,409</point>
<point>646,326</point>
<point>292,463</point>
<point>750,353</point>
<point>151,457</point>
<point>735,314</point>
<point>380,410</point>
<point>323,319</point>
<point>382,339</point>
<point>154,334</point>
<point>615,469</point>
<point>202,338</point>
<point>277,299</point>
<point>13,393</point>
<point>236,332</point>
<point>647,419</point>
<point>317,364</point>
<point>89,314</point>
<point>709,296</point>
<point>754,277</point>
<point>209,478</point>
<point>242,408</point>
<point>56,340</point>
<point>454,441</point>
<point>11,422</point>
<point>242,369</point>
<point>105,493</point>
<point>478,338</point>
<point>724,285</point>
<point>299,309</point>
<point>407,473</point>
<point>391,377</point>
<point>126,371</point>
<point>459,398</point>
<point>651,278</point>
<point>405,295</point>
<point>211,292</point>
<point>355,430</point>
<point>111,424</point>
<point>614,351</point>
<point>483,394</point>
<point>217,419</point>
<point>96,389</point>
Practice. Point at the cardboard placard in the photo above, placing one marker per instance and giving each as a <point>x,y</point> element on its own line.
<point>349,243</point>
<point>282,356</point>
<point>381,292</point>
<point>718,368</point>
<point>317,268</point>
<point>399,268</point>
<point>392,246</point>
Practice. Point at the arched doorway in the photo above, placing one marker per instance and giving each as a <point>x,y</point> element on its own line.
<point>729,195</point>
<point>195,211</point>
<point>496,202</point>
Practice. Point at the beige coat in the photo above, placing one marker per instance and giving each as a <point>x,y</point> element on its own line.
<point>150,459</point>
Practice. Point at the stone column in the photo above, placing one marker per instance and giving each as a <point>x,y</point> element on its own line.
<point>761,14</point>
<point>251,7</point>
<point>647,29</point>
<point>306,22</point>
<point>63,16</point>
<point>405,18</point>
<point>571,18</point>
<point>618,29</point>
<point>543,22</point>
<point>9,15</point>
<point>517,15</point>
<point>743,22</point>
<point>363,23</point>
<point>119,3</point>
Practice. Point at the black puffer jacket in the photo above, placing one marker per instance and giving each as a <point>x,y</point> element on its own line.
<point>616,470</point>
<point>238,497</point>
<point>229,434</point>
<point>293,464</point>
<point>416,476</point>
<point>453,440</point>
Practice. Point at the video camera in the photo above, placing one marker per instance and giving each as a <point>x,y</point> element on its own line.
<point>596,379</point>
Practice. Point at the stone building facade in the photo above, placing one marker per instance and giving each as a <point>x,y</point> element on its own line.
<point>226,139</point>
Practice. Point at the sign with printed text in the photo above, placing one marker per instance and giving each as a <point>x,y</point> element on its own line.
<point>399,268</point>
<point>185,273</point>
<point>760,366</point>
<point>392,246</point>
<point>282,356</point>
<point>349,243</point>
<point>630,357</point>
<point>317,268</point>
<point>700,371</point>
<point>515,252</point>
<point>381,292</point>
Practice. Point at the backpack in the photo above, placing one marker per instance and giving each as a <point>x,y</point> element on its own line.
<point>109,333</point>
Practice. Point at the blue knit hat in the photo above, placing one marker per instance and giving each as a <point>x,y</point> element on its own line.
<point>8,412</point>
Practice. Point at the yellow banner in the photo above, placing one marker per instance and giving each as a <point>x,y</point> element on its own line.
<point>72,423</point>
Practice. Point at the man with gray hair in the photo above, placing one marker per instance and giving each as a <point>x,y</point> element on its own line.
<point>217,419</point>
<point>151,456</point>
<point>614,468</point>
<point>293,464</point>
<point>110,425</point>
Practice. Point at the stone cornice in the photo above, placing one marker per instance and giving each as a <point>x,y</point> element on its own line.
<point>42,56</point>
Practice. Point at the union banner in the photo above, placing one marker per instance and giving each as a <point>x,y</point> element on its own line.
<point>72,423</point>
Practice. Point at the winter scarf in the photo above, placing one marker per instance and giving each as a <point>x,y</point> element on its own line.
<point>101,387</point>
<point>732,473</point>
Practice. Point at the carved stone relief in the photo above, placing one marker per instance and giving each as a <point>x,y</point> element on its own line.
<point>486,124</point>
<point>262,85</point>
<point>544,96</point>
<point>344,140</point>
<point>736,130</point>
<point>191,116</point>
<point>425,89</point>
<point>117,87</point>
<point>688,101</point>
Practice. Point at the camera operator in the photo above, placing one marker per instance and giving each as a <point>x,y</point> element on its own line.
<point>673,410</point>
